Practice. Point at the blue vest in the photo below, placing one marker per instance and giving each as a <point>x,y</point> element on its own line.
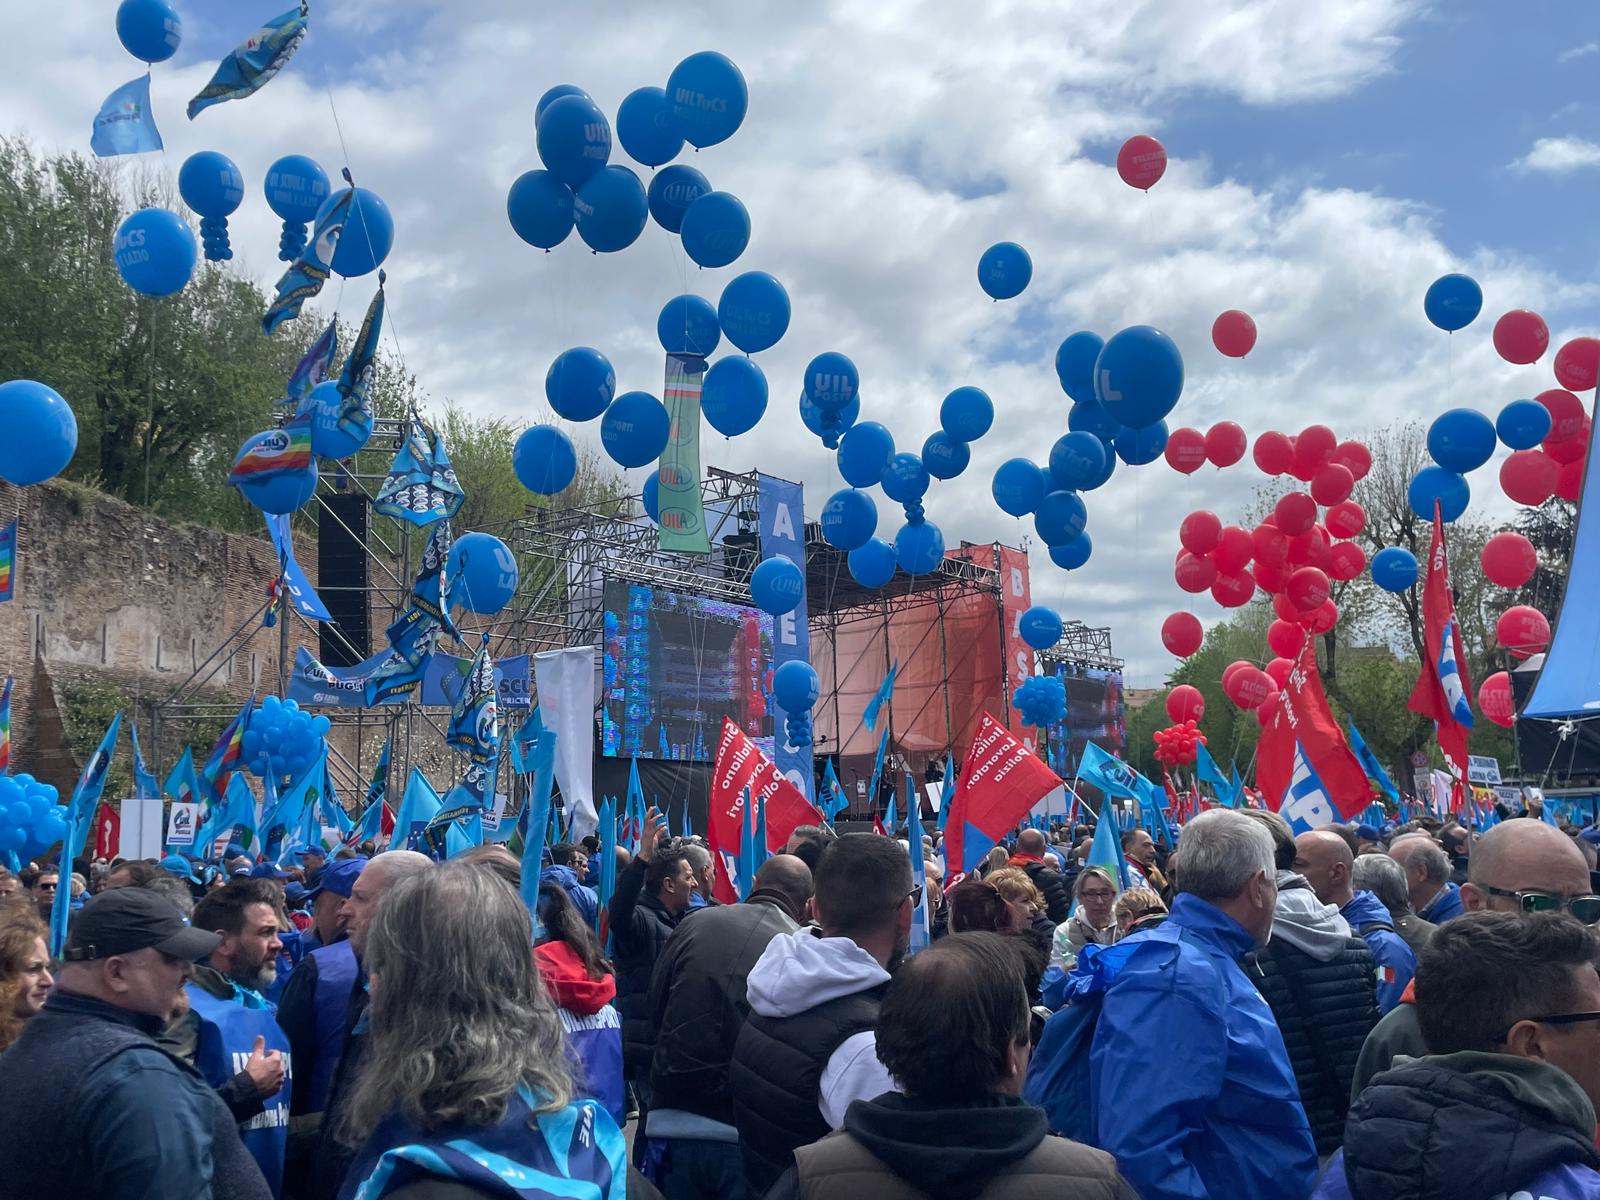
<point>336,977</point>
<point>228,1032</point>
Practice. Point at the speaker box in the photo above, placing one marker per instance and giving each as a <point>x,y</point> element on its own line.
<point>343,578</point>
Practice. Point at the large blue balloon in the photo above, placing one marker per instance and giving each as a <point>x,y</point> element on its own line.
<point>278,494</point>
<point>211,184</point>
<point>1461,440</point>
<point>1019,486</point>
<point>1136,447</point>
<point>1091,417</point>
<point>831,381</point>
<point>296,188</point>
<point>813,419</point>
<point>651,496</point>
<point>1138,376</point>
<point>872,564</point>
<point>905,478</point>
<point>716,229</point>
<point>1004,270</point>
<point>540,209</point>
<point>1040,627</point>
<point>795,685</point>
<point>644,127</point>
<point>580,383</point>
<point>544,460</point>
<point>635,428</point>
<point>610,209</point>
<point>1435,483</point>
<point>919,547</point>
<point>1394,568</point>
<point>754,311</point>
<point>1453,302</point>
<point>776,585</point>
<point>1075,359</point>
<point>1060,517</point>
<point>368,234</point>
<point>849,518</point>
<point>945,456</point>
<point>155,252</point>
<point>734,396</point>
<point>573,138</point>
<point>709,98</point>
<point>1077,460</point>
<point>482,572</point>
<point>1523,424</point>
<point>672,190</point>
<point>553,94</point>
<point>864,451</point>
<point>1073,554</point>
<point>1105,472</point>
<point>150,30</point>
<point>331,438</point>
<point>687,324</point>
<point>966,414</point>
<point>41,434</point>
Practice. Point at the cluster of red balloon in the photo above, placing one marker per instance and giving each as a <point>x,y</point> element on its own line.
<point>1222,445</point>
<point>1177,745</point>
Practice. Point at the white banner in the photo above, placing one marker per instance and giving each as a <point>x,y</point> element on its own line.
<point>1482,768</point>
<point>140,836</point>
<point>182,822</point>
<point>565,681</point>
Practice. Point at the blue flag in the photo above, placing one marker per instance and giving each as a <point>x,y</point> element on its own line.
<point>1371,765</point>
<point>877,770</point>
<point>1106,850</point>
<point>1108,773</point>
<point>256,60</point>
<point>539,805</point>
<point>355,381</point>
<point>145,786</point>
<point>237,811</point>
<point>920,928</point>
<point>1206,768</point>
<point>869,715</point>
<point>417,806</point>
<point>80,816</point>
<point>314,367</point>
<point>1306,805</point>
<point>183,785</point>
<point>947,791</point>
<point>310,270</point>
<point>608,866</point>
<point>421,486</point>
<point>296,586</point>
<point>747,849</point>
<point>125,124</point>
<point>834,800</point>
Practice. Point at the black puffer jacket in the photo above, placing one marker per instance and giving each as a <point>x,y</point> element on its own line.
<point>1057,900</point>
<point>640,927</point>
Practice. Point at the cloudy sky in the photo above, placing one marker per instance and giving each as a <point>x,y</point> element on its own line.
<point>1329,158</point>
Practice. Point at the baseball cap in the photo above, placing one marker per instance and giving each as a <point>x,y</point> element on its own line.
<point>305,850</point>
<point>127,919</point>
<point>1368,833</point>
<point>177,864</point>
<point>268,870</point>
<point>339,877</point>
<point>295,894</point>
<point>234,850</point>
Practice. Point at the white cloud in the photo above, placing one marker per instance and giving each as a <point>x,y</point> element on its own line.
<point>1559,156</point>
<point>1582,51</point>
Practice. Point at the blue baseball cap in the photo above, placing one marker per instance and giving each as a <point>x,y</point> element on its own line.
<point>1368,833</point>
<point>295,894</point>
<point>234,850</point>
<point>338,877</point>
<point>180,866</point>
<point>268,870</point>
<point>305,850</point>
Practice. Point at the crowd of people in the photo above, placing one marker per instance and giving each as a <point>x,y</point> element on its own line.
<point>1352,1013</point>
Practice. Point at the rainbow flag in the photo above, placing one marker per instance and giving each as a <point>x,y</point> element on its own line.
<point>227,753</point>
<point>8,560</point>
<point>5,729</point>
<point>277,452</point>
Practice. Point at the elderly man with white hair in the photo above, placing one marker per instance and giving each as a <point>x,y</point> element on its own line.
<point>1427,867</point>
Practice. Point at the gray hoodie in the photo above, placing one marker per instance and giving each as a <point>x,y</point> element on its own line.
<point>1305,922</point>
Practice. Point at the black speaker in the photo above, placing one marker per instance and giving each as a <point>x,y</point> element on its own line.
<point>342,578</point>
<point>740,553</point>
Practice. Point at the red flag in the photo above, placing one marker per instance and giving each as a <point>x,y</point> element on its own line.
<point>386,822</point>
<point>1429,697</point>
<point>877,826</point>
<point>1000,781</point>
<point>1302,715</point>
<point>107,831</point>
<point>741,764</point>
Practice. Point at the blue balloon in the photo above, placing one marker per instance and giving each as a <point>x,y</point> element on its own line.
<point>331,438</point>
<point>1136,447</point>
<point>644,127</point>
<point>813,419</point>
<point>672,191</point>
<point>210,184</point>
<point>155,252</point>
<point>1075,359</point>
<point>864,451</point>
<point>966,414</point>
<point>831,381</point>
<point>1040,627</point>
<point>50,826</point>
<point>795,685</point>
<point>1461,440</point>
<point>945,456</point>
<point>610,209</point>
<point>1105,473</point>
<point>150,30</point>
<point>1522,424</point>
<point>905,478</point>
<point>1453,302</point>
<point>279,494</point>
<point>919,547</point>
<point>635,428</point>
<point>539,207</point>
<point>483,573</point>
<point>776,585</point>
<point>1060,517</point>
<point>688,325</point>
<point>1138,376</point>
<point>580,383</point>
<point>709,98</point>
<point>41,433</point>
<point>553,94</point>
<point>544,460</point>
<point>849,519</point>
<point>368,234</point>
<point>1004,270</point>
<point>754,311</point>
<point>651,496</point>
<point>573,138</point>
<point>733,396</point>
<point>1435,483</point>
<point>1394,568</point>
<point>1073,554</point>
<point>1077,460</point>
<point>1091,417</point>
<point>716,229</point>
<point>295,188</point>
<point>872,564</point>
<point>1019,486</point>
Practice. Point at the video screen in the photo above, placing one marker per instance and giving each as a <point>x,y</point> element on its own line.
<point>1096,711</point>
<point>675,665</point>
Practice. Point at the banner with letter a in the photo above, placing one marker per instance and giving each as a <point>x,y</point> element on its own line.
<point>683,514</point>
<point>783,528</point>
<point>1001,781</point>
<point>741,765</point>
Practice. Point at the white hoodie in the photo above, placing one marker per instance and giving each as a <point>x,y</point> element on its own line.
<point>1305,922</point>
<point>801,970</point>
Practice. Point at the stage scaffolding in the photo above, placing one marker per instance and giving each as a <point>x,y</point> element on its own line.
<point>1081,645</point>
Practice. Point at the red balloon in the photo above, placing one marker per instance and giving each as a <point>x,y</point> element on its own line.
<point>1185,703</point>
<point>1332,484</point>
<point>1567,413</point>
<point>1324,619</point>
<point>1193,572</point>
<point>1234,550</point>
<point>1268,543</point>
<point>1314,446</point>
<point>1268,708</point>
<point>1295,513</point>
<point>1568,450</point>
<point>1186,450</point>
<point>1521,336</point>
<point>1494,699</point>
<point>1308,588</point>
<point>1578,364</point>
<point>1271,576</point>
<point>1311,549</point>
<point>1251,687</point>
<point>1233,333</point>
<point>1285,638</point>
<point>1225,443</point>
<point>1274,452</point>
<point>1509,559</point>
<point>1346,520</point>
<point>1229,671</point>
<point>1348,561</point>
<point>1278,671</point>
<point>1141,162</point>
<point>1181,634</point>
<point>1199,531</point>
<point>1233,590</point>
<point>1353,456</point>
<point>1284,608</point>
<point>1529,476</point>
<point>1522,630</point>
<point>1569,484</point>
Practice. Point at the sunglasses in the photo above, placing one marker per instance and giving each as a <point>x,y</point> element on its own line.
<point>1560,1019</point>
<point>1584,908</point>
<point>916,895</point>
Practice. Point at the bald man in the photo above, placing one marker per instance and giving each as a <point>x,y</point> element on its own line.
<point>1517,866</point>
<point>1433,897</point>
<point>1323,857</point>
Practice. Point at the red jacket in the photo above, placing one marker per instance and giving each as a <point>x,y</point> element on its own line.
<point>569,984</point>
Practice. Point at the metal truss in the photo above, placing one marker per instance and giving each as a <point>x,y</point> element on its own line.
<point>1082,645</point>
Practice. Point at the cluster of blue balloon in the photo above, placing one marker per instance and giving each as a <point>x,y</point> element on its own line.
<point>41,433</point>
<point>795,687</point>
<point>213,186</point>
<point>482,573</point>
<point>703,103</point>
<point>1463,440</point>
<point>1041,700</point>
<point>1394,568</point>
<point>281,739</point>
<point>296,188</point>
<point>30,819</point>
<point>777,585</point>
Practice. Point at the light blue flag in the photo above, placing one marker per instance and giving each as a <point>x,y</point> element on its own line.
<point>947,791</point>
<point>633,813</point>
<point>125,124</point>
<point>1154,797</point>
<point>869,715</point>
<point>145,786</point>
<point>890,817</point>
<point>333,812</point>
<point>237,811</point>
<point>183,784</point>
<point>314,367</point>
<point>877,770</point>
<point>1206,768</point>
<point>834,800</point>
<point>255,61</point>
<point>80,817</point>
<point>1306,805</point>
<point>539,805</point>
<point>761,838</point>
<point>920,930</point>
<point>1371,765</point>
<point>1108,773</point>
<point>747,849</point>
<point>417,806</point>
<point>1105,851</point>
<point>288,816</point>
<point>1236,783</point>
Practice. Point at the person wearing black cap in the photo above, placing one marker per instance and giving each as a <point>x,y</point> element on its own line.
<point>90,1104</point>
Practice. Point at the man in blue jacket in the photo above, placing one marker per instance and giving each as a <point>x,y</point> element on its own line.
<point>1324,858</point>
<point>1192,1087</point>
<point>1427,869</point>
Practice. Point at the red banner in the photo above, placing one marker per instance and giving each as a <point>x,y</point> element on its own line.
<point>1432,695</point>
<point>741,764</point>
<point>1001,780</point>
<point>107,831</point>
<point>1015,599</point>
<point>1302,715</point>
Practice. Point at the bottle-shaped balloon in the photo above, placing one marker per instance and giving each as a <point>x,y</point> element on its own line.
<point>211,185</point>
<point>296,187</point>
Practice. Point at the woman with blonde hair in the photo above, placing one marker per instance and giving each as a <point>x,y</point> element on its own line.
<point>1138,909</point>
<point>1091,922</point>
<point>25,978</point>
<point>1023,898</point>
